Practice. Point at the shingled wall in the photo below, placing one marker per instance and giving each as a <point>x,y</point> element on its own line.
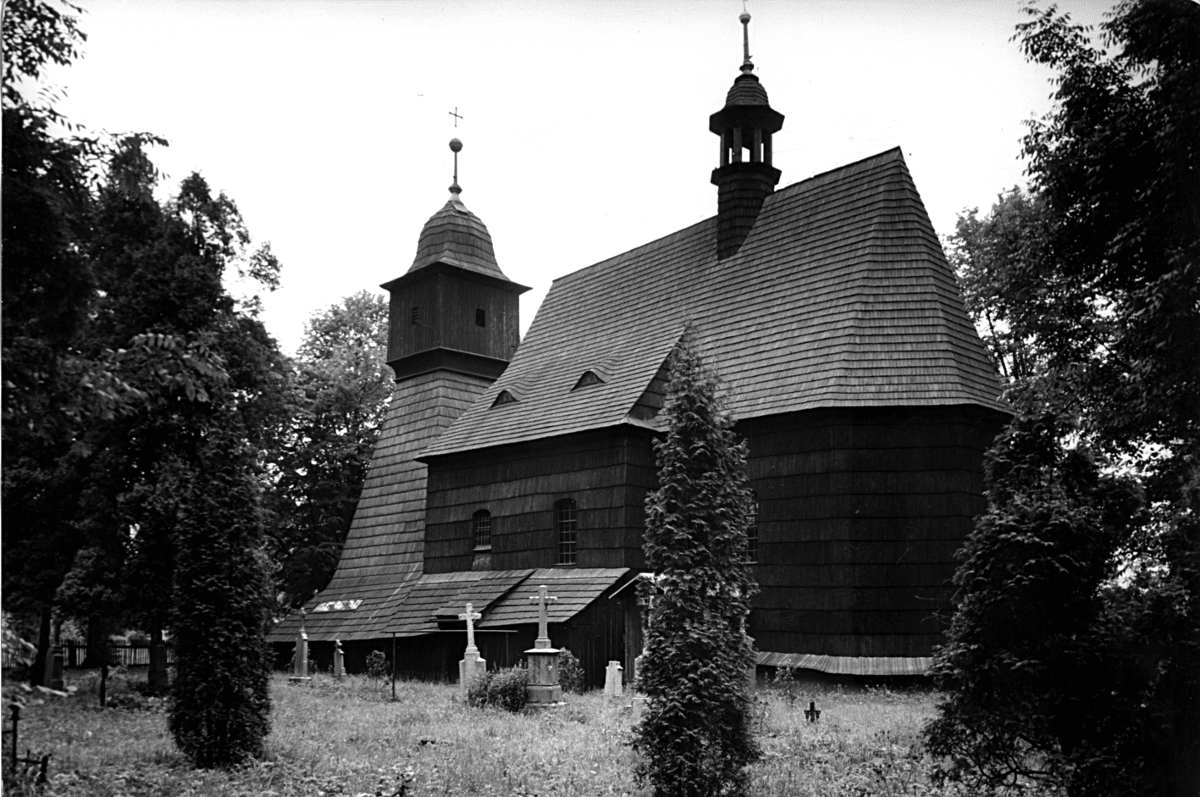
<point>860,514</point>
<point>605,471</point>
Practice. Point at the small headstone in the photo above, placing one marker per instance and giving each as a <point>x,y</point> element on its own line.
<point>55,667</point>
<point>300,664</point>
<point>812,714</point>
<point>638,704</point>
<point>613,686</point>
<point>339,660</point>
<point>472,664</point>
<point>544,689</point>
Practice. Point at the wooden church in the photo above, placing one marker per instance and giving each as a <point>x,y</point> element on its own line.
<point>856,376</point>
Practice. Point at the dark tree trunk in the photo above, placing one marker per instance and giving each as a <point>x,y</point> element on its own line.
<point>157,676</point>
<point>97,642</point>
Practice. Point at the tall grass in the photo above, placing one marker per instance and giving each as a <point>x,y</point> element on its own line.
<point>348,738</point>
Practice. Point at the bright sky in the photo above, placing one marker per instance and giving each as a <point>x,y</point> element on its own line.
<point>585,124</point>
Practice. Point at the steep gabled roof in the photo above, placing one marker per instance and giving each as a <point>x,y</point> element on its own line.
<point>840,296</point>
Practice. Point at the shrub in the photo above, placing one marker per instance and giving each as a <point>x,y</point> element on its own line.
<point>219,705</point>
<point>377,664</point>
<point>571,675</point>
<point>504,689</point>
<point>696,736</point>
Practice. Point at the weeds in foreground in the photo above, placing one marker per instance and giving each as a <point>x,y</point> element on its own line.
<point>345,738</point>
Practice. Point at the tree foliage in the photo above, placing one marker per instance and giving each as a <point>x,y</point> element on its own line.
<point>138,394</point>
<point>1073,660</point>
<point>695,737</point>
<point>340,389</point>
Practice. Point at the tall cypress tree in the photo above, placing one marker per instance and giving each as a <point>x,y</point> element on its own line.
<point>695,737</point>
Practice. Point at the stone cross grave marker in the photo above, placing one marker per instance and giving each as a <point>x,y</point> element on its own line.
<point>300,666</point>
<point>339,660</point>
<point>543,689</point>
<point>542,599</point>
<point>613,686</point>
<point>812,713</point>
<point>472,664</point>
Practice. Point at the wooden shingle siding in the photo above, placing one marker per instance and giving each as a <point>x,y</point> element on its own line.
<point>861,511</point>
<point>384,548</point>
<point>605,472</point>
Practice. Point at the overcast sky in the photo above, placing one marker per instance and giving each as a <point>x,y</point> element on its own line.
<point>585,124</point>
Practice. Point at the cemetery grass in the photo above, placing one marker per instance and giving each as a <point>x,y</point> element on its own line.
<point>348,738</point>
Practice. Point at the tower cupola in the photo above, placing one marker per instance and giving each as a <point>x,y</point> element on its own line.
<point>454,309</point>
<point>745,177</point>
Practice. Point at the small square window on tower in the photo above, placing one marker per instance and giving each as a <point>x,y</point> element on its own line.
<point>480,317</point>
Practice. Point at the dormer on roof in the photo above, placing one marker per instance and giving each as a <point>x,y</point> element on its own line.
<point>745,177</point>
<point>453,309</point>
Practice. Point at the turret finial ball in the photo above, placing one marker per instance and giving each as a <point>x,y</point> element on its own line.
<point>455,145</point>
<point>745,17</point>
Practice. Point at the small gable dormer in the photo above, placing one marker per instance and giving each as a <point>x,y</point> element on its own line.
<point>589,377</point>
<point>504,397</point>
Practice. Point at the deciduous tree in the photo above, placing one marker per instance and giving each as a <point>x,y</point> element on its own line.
<point>1073,659</point>
<point>340,389</point>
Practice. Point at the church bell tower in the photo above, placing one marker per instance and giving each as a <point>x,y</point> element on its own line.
<point>453,310</point>
<point>745,177</point>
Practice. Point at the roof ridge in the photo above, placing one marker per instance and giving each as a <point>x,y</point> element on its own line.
<point>829,173</point>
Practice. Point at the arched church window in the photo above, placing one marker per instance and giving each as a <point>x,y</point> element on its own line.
<point>568,530</point>
<point>481,524</point>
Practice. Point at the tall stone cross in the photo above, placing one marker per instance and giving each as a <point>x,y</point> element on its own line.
<point>541,599</point>
<point>470,615</point>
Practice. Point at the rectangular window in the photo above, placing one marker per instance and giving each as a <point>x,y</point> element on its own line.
<point>480,317</point>
<point>482,526</point>
<point>416,315</point>
<point>568,531</point>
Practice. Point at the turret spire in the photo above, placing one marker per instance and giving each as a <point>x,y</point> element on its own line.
<point>747,66</point>
<point>745,176</point>
<point>455,147</point>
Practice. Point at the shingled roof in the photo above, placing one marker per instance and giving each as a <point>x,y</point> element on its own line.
<point>385,547</point>
<point>840,296</point>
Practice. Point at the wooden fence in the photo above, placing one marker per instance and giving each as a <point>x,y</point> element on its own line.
<point>134,654</point>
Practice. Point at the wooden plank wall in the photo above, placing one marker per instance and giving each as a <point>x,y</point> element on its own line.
<point>604,471</point>
<point>446,304</point>
<point>860,514</point>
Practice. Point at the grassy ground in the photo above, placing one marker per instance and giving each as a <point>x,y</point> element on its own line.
<point>348,738</point>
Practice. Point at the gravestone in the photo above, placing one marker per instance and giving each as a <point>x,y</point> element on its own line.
<point>613,687</point>
<point>54,668</point>
<point>300,665</point>
<point>472,664</point>
<point>544,689</point>
<point>812,713</point>
<point>339,660</point>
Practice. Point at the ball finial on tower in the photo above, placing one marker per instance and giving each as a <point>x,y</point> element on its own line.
<point>747,66</point>
<point>455,147</point>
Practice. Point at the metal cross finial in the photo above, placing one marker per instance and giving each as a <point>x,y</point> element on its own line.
<point>541,599</point>
<point>456,116</point>
<point>470,615</point>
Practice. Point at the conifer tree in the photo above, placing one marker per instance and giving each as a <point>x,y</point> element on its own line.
<point>695,737</point>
